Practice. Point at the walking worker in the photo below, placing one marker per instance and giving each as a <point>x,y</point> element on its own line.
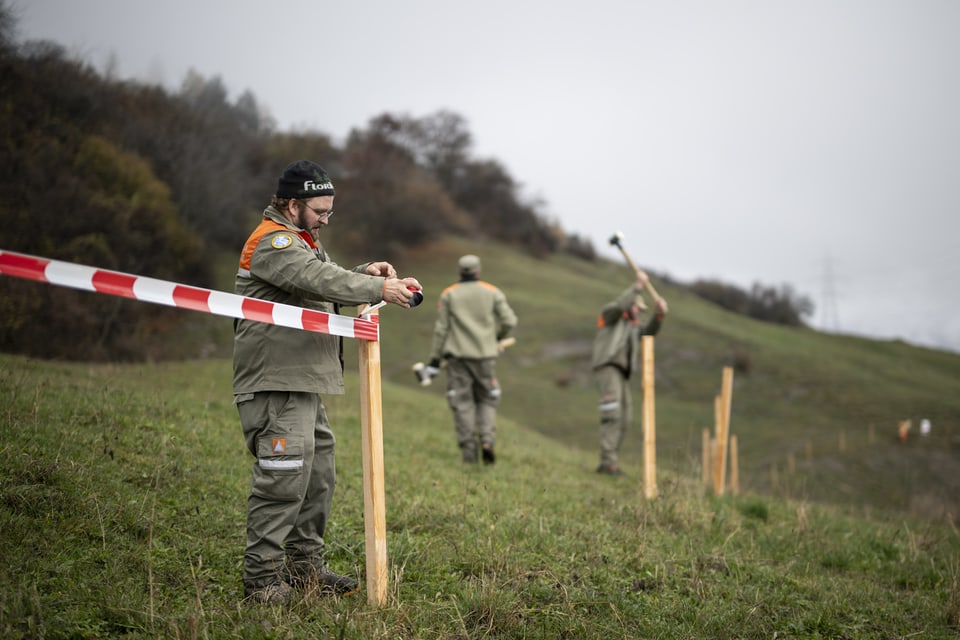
<point>616,349</point>
<point>279,375</point>
<point>473,317</point>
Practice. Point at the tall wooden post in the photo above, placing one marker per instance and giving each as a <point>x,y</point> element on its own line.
<point>726,392</point>
<point>374,503</point>
<point>734,466</point>
<point>717,414</point>
<point>715,443</point>
<point>649,421</point>
<point>706,456</point>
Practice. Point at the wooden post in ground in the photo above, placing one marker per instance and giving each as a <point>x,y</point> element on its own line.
<point>374,506</point>
<point>715,443</point>
<point>714,461</point>
<point>717,414</point>
<point>734,466</point>
<point>649,421</point>
<point>706,455</point>
<point>726,393</point>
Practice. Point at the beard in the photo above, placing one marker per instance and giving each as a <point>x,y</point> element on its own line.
<point>301,221</point>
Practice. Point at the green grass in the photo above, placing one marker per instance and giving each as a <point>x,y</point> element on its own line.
<point>122,508</point>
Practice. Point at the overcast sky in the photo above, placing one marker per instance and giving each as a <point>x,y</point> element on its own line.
<point>814,143</point>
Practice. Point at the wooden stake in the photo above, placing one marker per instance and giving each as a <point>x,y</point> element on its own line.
<point>374,506</point>
<point>734,466</point>
<point>705,456</point>
<point>714,462</point>
<point>717,414</point>
<point>649,421</point>
<point>715,450</point>
<point>726,393</point>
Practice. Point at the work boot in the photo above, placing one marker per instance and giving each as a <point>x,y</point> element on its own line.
<point>307,576</point>
<point>609,469</point>
<point>335,584</point>
<point>469,454</point>
<point>275,593</point>
<point>488,456</point>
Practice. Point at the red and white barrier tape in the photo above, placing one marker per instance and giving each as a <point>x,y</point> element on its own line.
<point>172,294</point>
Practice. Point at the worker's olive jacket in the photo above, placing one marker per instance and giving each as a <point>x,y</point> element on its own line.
<point>617,341</point>
<point>473,316</point>
<point>283,263</point>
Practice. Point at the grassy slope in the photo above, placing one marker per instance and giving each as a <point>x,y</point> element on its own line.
<point>804,391</point>
<point>804,394</point>
<point>122,495</point>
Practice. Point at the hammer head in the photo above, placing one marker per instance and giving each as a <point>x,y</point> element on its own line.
<point>616,238</point>
<point>423,376</point>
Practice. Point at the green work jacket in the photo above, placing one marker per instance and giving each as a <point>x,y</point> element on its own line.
<point>473,316</point>
<point>282,263</point>
<point>617,341</point>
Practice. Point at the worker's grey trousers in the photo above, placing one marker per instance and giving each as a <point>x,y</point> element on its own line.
<point>616,411</point>
<point>294,475</point>
<point>473,394</point>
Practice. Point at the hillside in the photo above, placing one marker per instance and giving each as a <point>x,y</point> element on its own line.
<point>816,415</point>
<point>122,493</point>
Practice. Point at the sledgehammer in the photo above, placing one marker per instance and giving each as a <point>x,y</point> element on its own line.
<point>616,240</point>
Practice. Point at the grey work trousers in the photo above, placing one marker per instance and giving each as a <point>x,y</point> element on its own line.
<point>291,491</point>
<point>616,411</point>
<point>473,394</point>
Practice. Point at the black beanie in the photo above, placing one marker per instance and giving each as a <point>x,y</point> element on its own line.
<point>304,179</point>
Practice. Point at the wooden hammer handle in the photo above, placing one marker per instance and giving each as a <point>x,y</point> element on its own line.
<point>648,285</point>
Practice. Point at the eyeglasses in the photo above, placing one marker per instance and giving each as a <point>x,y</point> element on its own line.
<point>321,214</point>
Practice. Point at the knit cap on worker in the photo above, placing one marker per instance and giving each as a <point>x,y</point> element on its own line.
<point>304,179</point>
<point>469,264</point>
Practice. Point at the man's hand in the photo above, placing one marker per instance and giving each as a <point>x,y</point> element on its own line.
<point>642,280</point>
<point>398,290</point>
<point>661,306</point>
<point>384,269</point>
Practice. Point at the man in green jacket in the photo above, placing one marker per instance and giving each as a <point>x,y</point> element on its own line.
<point>616,351</point>
<point>473,317</point>
<point>278,376</point>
